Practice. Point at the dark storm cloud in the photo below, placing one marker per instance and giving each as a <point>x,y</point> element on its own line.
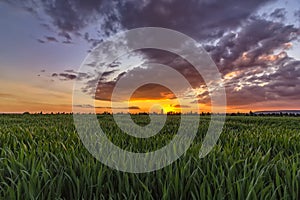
<point>257,57</point>
<point>154,92</point>
<point>104,91</point>
<point>285,82</point>
<point>105,85</point>
<point>201,19</point>
<point>175,62</point>
<point>280,85</point>
<point>256,38</point>
<point>251,49</point>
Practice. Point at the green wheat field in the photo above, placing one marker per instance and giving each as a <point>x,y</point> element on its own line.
<point>42,157</point>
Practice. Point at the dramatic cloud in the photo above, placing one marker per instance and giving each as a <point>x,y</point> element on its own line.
<point>252,60</point>
<point>252,45</point>
<point>200,19</point>
<point>277,82</point>
<point>104,88</point>
<point>250,51</point>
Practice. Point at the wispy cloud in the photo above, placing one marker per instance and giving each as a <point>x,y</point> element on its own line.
<point>107,107</point>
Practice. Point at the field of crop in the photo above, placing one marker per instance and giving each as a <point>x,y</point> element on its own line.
<point>42,157</point>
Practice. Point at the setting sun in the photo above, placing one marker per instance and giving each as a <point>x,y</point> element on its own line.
<point>168,108</point>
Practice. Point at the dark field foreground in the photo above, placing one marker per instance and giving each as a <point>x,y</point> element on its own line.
<point>42,157</point>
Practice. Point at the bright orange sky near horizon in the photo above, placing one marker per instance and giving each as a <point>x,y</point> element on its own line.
<point>35,100</point>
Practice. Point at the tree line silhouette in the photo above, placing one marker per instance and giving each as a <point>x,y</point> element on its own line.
<point>260,114</point>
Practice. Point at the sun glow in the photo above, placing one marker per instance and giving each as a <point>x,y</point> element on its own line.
<point>168,108</point>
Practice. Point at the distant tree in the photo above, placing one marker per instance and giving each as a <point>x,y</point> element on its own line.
<point>281,114</point>
<point>26,113</point>
<point>143,113</point>
<point>173,113</point>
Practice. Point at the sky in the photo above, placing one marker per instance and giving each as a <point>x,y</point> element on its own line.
<point>255,45</point>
